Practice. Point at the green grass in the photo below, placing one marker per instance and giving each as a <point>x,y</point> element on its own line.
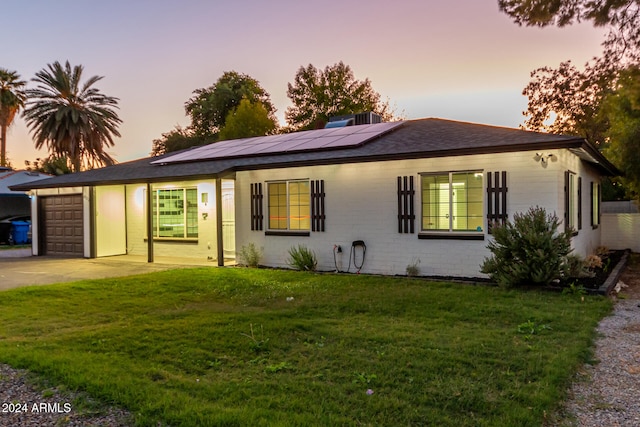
<point>224,347</point>
<point>12,247</point>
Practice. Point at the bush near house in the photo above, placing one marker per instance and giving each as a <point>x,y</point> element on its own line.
<point>249,347</point>
<point>528,251</point>
<point>250,255</point>
<point>302,258</point>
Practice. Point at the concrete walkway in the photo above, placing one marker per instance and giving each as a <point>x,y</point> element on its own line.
<point>25,270</point>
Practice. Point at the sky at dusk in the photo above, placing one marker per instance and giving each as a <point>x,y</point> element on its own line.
<point>455,59</point>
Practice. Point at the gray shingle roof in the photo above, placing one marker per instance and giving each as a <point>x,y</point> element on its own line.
<point>10,178</point>
<point>413,139</point>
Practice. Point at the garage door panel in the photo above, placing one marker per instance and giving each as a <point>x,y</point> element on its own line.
<point>63,230</point>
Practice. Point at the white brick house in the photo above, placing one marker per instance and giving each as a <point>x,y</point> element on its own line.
<point>424,190</point>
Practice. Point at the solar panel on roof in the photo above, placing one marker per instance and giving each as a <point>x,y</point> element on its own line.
<point>331,138</point>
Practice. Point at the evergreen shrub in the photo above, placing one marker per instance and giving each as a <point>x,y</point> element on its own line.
<point>528,251</point>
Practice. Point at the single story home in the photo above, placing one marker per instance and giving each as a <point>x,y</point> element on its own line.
<point>386,194</point>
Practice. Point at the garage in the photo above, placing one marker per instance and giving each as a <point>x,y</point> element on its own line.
<point>62,225</point>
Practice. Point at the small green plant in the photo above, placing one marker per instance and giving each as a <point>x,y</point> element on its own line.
<point>302,258</point>
<point>258,344</point>
<point>528,251</point>
<point>606,264</point>
<point>364,378</point>
<point>273,369</point>
<point>574,289</point>
<point>250,256</point>
<point>413,269</point>
<point>531,328</point>
<point>317,343</point>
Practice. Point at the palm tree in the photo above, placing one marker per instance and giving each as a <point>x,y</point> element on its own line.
<point>75,120</point>
<point>12,98</point>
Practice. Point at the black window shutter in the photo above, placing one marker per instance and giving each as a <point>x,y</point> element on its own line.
<point>496,198</point>
<point>599,202</point>
<point>593,213</point>
<point>256,207</point>
<point>406,212</point>
<point>317,205</point>
<point>579,203</point>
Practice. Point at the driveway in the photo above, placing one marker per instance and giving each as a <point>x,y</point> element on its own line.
<point>25,270</point>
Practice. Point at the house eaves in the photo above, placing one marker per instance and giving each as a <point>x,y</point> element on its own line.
<point>424,138</point>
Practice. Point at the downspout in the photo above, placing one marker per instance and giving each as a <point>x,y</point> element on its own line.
<point>220,240</point>
<point>149,224</point>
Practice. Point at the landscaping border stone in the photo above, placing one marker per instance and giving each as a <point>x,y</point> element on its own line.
<point>612,280</point>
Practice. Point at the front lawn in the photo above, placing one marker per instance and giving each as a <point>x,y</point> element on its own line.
<point>240,347</point>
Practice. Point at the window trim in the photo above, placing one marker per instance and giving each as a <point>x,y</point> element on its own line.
<point>452,234</point>
<point>596,200</point>
<point>572,200</point>
<point>286,231</point>
<point>155,197</point>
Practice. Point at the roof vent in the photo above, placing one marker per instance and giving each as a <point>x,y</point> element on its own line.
<point>340,123</point>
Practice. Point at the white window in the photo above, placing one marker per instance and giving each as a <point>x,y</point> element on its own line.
<point>289,205</point>
<point>175,213</point>
<point>452,202</point>
<point>573,201</point>
<point>595,204</point>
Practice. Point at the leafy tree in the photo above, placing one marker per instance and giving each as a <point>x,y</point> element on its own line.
<point>623,107</point>
<point>210,107</point>
<point>176,140</point>
<point>51,165</point>
<point>569,100</point>
<point>74,119</point>
<point>568,97</point>
<point>620,16</point>
<point>320,94</point>
<point>247,120</point>
<point>12,99</point>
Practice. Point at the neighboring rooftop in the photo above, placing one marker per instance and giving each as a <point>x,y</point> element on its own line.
<point>9,177</point>
<point>394,141</point>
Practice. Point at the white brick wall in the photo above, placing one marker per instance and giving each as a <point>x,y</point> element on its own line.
<point>136,223</point>
<point>361,204</point>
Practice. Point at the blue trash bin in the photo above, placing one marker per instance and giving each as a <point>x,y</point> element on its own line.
<point>20,232</point>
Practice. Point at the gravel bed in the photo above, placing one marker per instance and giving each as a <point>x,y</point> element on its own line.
<point>607,392</point>
<point>24,404</point>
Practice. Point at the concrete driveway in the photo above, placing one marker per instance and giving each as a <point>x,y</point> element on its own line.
<point>18,270</point>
